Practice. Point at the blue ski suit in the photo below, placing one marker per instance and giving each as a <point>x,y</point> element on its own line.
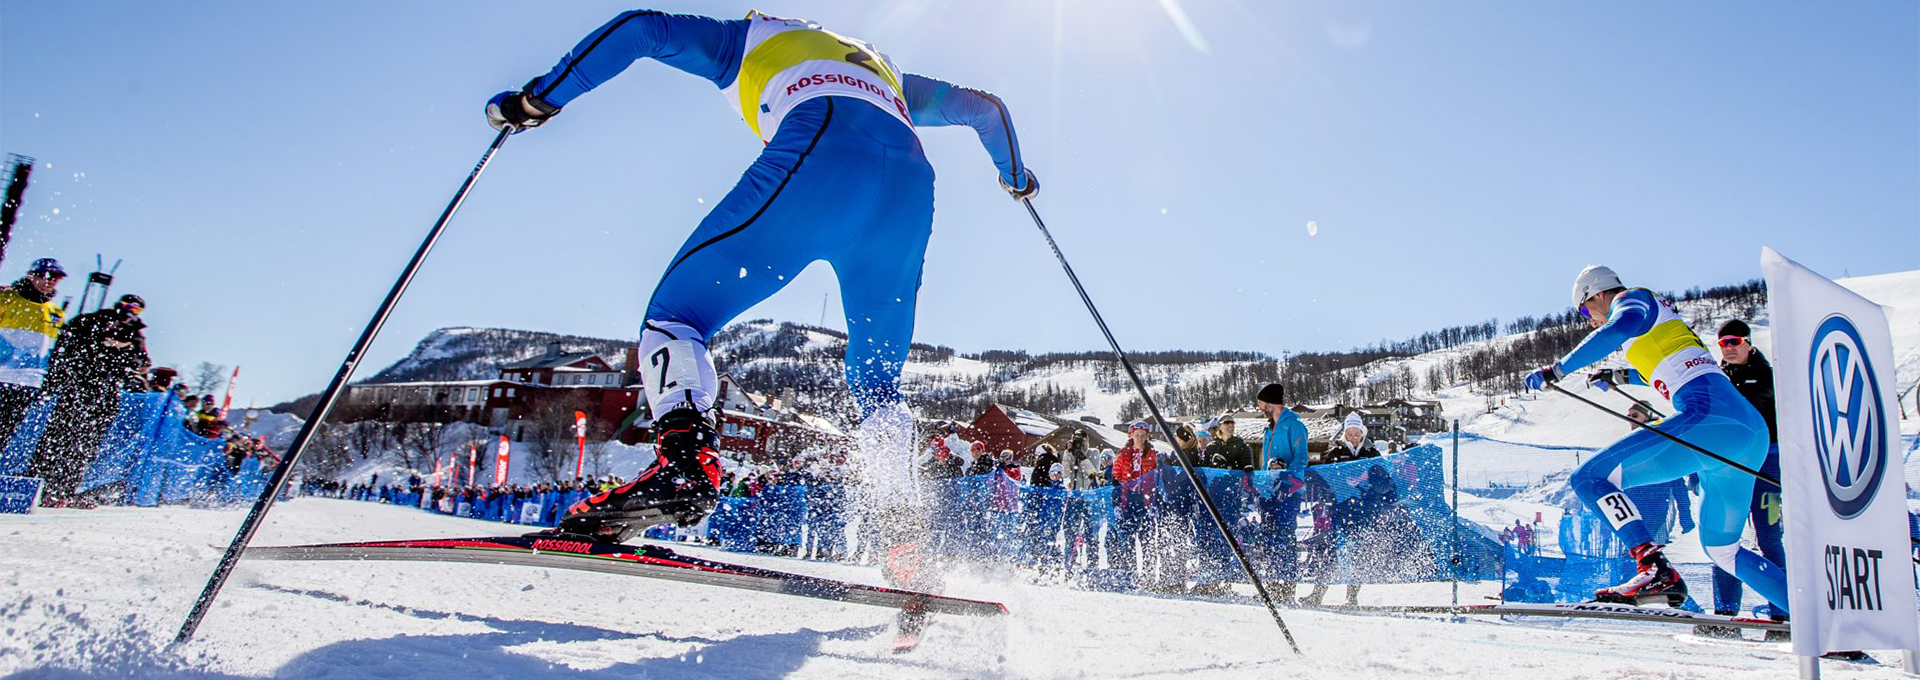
<point>842,179</point>
<point>1709,413</point>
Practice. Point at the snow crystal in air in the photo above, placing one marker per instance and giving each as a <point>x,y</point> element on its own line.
<point>743,272</point>
<point>1313,228</point>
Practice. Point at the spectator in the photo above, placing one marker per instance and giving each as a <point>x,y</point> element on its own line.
<point>1285,445</point>
<point>1228,451</point>
<point>207,419</point>
<point>1137,457</point>
<point>1007,465</point>
<point>943,463</point>
<point>29,323</point>
<point>959,446</point>
<point>1079,469</point>
<point>1187,445</point>
<point>1352,443</point>
<point>1045,465</point>
<point>1080,473</point>
<point>1333,521</point>
<point>1131,499</point>
<point>983,462</point>
<point>160,378</point>
<point>94,358</point>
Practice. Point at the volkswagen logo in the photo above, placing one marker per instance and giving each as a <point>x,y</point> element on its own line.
<point>1849,421</point>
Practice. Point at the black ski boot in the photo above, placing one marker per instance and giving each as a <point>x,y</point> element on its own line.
<point>680,487</point>
<point>1655,583</point>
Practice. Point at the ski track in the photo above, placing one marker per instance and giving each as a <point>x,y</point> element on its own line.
<point>98,594</point>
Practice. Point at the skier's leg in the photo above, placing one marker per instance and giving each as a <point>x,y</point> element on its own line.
<point>1600,482</point>
<point>879,275</point>
<point>756,239</point>
<point>1640,458</point>
<point>1724,511</point>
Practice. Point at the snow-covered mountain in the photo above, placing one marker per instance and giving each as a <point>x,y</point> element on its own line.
<point>1471,369</point>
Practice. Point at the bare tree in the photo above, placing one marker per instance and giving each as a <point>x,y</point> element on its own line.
<point>330,453</point>
<point>552,434</point>
<point>208,377</point>
<point>420,444</point>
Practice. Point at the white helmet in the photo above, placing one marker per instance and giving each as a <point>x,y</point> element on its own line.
<point>1592,280</point>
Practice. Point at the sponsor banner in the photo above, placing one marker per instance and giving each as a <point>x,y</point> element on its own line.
<point>19,495</point>
<point>1852,587</point>
<point>500,460</point>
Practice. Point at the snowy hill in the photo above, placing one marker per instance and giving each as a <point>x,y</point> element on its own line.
<point>803,362</point>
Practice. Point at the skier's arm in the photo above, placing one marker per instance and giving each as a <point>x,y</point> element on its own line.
<point>1632,316</point>
<point>702,46</point>
<point>935,103</point>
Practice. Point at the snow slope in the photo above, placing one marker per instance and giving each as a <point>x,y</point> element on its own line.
<point>96,594</point>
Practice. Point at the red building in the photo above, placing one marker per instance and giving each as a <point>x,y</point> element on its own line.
<point>1006,427</point>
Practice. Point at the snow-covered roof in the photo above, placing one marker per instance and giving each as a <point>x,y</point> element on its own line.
<point>545,361</point>
<point>1035,424</point>
<point>437,383</point>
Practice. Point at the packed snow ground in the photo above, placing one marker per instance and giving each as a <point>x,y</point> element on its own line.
<point>96,594</point>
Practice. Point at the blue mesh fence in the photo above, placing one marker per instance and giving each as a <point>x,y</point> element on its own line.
<point>147,456</point>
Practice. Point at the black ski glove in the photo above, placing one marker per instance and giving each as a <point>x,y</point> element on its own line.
<point>509,110</point>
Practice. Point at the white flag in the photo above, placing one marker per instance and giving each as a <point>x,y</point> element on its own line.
<point>1847,544</point>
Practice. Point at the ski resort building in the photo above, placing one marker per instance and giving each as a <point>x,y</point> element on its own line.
<point>1006,427</point>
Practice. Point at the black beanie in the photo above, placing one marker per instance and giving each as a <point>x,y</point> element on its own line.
<point>1737,328</point>
<point>1272,394</point>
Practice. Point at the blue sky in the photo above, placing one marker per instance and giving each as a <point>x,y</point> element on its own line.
<point>265,169</point>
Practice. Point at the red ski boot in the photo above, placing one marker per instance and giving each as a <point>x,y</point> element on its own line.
<point>681,486</point>
<point>1655,583</point>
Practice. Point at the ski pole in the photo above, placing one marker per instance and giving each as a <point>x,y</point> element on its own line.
<point>1756,473</point>
<point>1166,429</point>
<point>327,398</point>
<point>1688,444</point>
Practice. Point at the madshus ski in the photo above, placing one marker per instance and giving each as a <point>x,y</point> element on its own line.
<point>1582,610</point>
<point>565,552</point>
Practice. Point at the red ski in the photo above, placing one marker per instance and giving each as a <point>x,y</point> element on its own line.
<point>568,552</point>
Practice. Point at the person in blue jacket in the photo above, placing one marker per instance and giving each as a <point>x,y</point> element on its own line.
<point>1285,445</point>
<point>1708,412</point>
<point>842,179</point>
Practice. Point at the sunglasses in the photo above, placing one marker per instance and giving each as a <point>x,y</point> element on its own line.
<point>1732,341</point>
<point>48,275</point>
<point>131,308</point>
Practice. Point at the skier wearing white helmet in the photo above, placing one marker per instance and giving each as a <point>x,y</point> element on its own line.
<point>1709,413</point>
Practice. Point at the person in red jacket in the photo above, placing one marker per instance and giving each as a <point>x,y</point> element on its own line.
<point>1137,457</point>
<point>1130,500</point>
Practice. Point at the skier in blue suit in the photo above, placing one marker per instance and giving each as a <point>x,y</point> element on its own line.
<point>842,179</point>
<point>1665,353</point>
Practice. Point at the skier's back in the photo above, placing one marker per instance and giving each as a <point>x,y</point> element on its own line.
<point>842,179</point>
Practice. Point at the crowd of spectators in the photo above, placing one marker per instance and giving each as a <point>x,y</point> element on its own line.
<point>1124,517</point>
<point>82,366</point>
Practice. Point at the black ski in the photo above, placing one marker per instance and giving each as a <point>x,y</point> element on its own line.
<point>1585,610</point>
<point>568,552</point>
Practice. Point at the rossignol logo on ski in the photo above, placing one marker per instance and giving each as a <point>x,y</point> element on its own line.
<point>1849,421</point>
<point>1626,609</point>
<point>554,545</point>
